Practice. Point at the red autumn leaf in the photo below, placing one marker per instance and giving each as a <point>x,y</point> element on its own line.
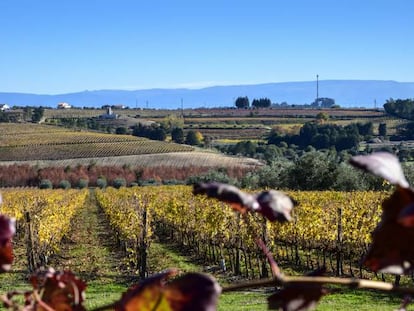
<point>392,240</point>
<point>59,290</point>
<point>7,230</point>
<point>273,205</point>
<point>238,199</point>
<point>406,216</point>
<point>192,291</point>
<point>298,296</point>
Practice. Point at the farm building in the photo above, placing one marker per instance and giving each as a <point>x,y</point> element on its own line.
<point>64,106</point>
<point>109,114</point>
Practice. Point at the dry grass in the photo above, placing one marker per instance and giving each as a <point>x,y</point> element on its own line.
<point>174,159</point>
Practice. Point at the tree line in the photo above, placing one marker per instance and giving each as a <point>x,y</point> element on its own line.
<point>243,102</point>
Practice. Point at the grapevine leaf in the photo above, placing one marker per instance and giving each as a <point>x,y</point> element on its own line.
<point>59,290</point>
<point>382,164</point>
<point>7,230</point>
<point>391,248</point>
<point>392,240</point>
<point>238,199</point>
<point>406,216</point>
<point>273,205</point>
<point>298,296</point>
<point>192,291</point>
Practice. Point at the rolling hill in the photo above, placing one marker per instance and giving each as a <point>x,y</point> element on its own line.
<point>347,93</point>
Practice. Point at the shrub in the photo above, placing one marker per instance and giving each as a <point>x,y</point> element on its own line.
<point>64,184</point>
<point>101,182</point>
<point>217,175</point>
<point>83,183</point>
<point>119,182</point>
<point>45,184</point>
<point>121,130</point>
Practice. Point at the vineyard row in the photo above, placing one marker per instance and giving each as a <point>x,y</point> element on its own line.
<point>329,228</point>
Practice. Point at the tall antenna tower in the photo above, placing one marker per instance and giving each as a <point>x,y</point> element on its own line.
<point>317,89</point>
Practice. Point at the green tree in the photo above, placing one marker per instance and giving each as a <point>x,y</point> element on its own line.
<point>313,171</point>
<point>402,108</point>
<point>382,129</point>
<point>170,122</point>
<point>275,175</point>
<point>261,103</point>
<point>177,135</point>
<point>121,130</point>
<point>193,138</point>
<point>323,102</point>
<point>406,131</point>
<point>242,102</point>
<point>215,175</point>
<point>38,114</point>
<point>27,113</point>
<point>322,116</point>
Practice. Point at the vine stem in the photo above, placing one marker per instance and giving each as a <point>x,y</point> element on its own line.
<point>349,282</point>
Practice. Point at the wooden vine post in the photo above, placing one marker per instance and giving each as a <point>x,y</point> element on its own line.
<point>339,239</point>
<point>143,243</point>
<point>30,248</point>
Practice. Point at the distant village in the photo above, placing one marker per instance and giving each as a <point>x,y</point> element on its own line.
<point>17,114</point>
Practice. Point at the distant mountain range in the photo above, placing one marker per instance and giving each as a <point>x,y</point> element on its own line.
<point>346,93</point>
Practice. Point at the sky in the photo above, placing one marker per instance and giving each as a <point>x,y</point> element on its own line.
<point>56,47</point>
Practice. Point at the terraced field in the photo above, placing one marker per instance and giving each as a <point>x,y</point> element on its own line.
<point>45,146</point>
<point>29,142</point>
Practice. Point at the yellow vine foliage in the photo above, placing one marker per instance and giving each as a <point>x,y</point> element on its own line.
<point>50,211</point>
<point>315,224</point>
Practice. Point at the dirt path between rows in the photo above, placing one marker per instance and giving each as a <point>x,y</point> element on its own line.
<point>89,249</point>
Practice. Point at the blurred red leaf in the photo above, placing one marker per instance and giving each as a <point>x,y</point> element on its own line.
<point>192,291</point>
<point>392,240</point>
<point>273,205</point>
<point>298,296</point>
<point>59,290</point>
<point>7,230</point>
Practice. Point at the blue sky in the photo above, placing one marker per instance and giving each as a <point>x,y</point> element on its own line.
<point>52,47</point>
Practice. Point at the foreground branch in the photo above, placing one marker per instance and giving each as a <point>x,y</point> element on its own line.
<point>348,282</point>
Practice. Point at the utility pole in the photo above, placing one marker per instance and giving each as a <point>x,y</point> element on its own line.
<point>317,89</point>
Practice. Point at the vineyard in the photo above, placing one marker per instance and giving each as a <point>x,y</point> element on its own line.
<point>21,142</point>
<point>51,146</point>
<point>43,218</point>
<point>329,228</point>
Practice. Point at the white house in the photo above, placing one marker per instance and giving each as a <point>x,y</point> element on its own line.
<point>64,106</point>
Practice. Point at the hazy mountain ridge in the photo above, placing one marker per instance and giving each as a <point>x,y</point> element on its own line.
<point>347,93</point>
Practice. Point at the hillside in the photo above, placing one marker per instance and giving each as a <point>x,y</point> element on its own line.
<point>47,146</point>
<point>347,93</point>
